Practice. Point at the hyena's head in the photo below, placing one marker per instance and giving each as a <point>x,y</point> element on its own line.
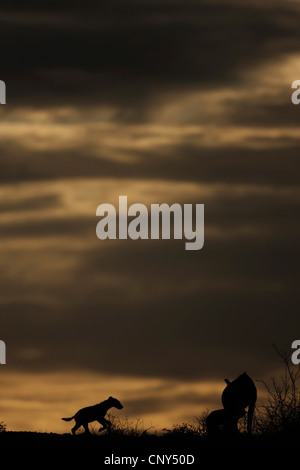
<point>113,402</point>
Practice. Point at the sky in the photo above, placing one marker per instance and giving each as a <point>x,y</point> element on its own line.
<point>164,101</point>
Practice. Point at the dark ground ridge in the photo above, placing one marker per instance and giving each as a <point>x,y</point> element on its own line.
<point>143,446</point>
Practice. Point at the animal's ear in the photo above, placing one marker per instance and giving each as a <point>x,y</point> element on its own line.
<point>227,381</point>
<point>109,398</point>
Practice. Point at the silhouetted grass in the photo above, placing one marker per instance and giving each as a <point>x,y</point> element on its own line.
<point>276,426</point>
<point>179,443</point>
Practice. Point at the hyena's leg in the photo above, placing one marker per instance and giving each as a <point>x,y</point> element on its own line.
<point>75,428</point>
<point>86,428</point>
<point>105,423</point>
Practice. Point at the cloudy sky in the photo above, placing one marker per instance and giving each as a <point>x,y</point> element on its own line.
<point>184,101</point>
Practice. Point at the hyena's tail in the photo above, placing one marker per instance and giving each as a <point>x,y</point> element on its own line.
<point>68,419</point>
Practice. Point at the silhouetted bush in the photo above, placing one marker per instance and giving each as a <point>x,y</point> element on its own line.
<point>2,426</point>
<point>280,411</point>
<point>195,427</point>
<point>122,427</point>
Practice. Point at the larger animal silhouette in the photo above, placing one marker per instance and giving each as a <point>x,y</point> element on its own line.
<point>238,395</point>
<point>94,413</point>
<point>220,421</point>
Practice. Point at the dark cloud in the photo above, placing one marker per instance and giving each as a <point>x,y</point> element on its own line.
<point>57,226</point>
<point>150,308</point>
<point>268,165</point>
<point>128,51</point>
<point>266,115</point>
<point>46,201</point>
<point>184,318</point>
<point>150,404</point>
<point>187,162</point>
<point>19,164</point>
